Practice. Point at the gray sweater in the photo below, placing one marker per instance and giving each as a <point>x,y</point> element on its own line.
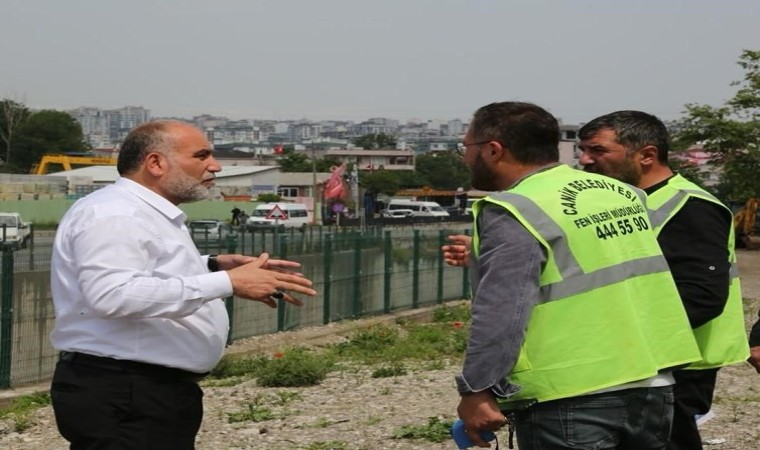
<point>505,280</point>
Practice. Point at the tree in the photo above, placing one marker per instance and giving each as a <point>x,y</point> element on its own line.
<point>46,132</point>
<point>731,132</point>
<point>412,179</point>
<point>380,181</point>
<point>690,171</point>
<point>12,115</point>
<point>325,164</point>
<point>443,170</point>
<point>376,141</point>
<point>268,198</point>
<point>294,162</point>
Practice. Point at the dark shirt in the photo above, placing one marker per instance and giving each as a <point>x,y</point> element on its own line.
<point>694,242</point>
<point>754,335</point>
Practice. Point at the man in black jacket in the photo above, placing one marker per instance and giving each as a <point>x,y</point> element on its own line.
<point>632,146</point>
<point>754,345</point>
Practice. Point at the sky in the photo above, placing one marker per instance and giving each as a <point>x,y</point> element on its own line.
<point>358,59</point>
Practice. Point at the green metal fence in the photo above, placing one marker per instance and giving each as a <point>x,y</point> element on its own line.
<point>356,272</point>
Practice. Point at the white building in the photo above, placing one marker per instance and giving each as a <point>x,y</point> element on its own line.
<point>107,128</point>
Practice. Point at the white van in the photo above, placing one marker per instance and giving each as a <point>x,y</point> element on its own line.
<point>293,215</point>
<point>419,209</point>
<point>14,232</point>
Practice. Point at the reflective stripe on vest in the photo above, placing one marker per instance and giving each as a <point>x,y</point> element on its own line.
<point>574,281</point>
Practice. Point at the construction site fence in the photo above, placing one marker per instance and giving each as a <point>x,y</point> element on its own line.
<point>357,271</point>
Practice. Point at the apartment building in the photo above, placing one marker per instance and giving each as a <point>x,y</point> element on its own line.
<point>108,127</point>
<point>375,159</point>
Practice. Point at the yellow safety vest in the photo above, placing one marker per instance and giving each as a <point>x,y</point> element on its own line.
<point>722,341</point>
<point>608,312</point>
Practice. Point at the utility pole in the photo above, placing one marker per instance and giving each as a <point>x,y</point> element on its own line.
<point>314,185</point>
<point>355,192</point>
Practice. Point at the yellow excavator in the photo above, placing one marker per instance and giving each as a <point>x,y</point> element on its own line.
<point>744,225</point>
<point>68,161</point>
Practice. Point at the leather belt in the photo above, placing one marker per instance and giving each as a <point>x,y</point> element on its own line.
<point>132,367</point>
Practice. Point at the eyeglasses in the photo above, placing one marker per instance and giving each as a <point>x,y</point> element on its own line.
<point>461,148</point>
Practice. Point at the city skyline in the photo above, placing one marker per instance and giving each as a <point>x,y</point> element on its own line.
<point>254,119</point>
<point>347,60</point>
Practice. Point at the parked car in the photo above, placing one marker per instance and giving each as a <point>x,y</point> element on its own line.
<point>397,213</point>
<point>14,232</point>
<point>419,209</point>
<point>209,231</point>
<point>453,210</point>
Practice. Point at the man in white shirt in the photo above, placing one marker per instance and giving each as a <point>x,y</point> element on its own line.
<point>139,315</point>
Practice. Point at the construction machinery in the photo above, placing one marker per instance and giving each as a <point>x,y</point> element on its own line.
<point>745,221</point>
<point>68,161</point>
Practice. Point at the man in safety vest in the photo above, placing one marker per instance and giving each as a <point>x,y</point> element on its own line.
<point>754,345</point>
<point>576,320</point>
<point>696,234</point>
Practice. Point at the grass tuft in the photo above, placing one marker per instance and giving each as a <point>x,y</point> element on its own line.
<point>393,370</point>
<point>21,410</point>
<point>436,430</point>
<point>296,367</point>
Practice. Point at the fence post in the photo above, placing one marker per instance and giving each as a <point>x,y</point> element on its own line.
<point>416,271</point>
<point>387,273</point>
<point>229,302</point>
<point>283,254</point>
<point>30,246</point>
<point>241,241</point>
<point>327,280</point>
<point>358,308</point>
<point>441,264</point>
<point>310,245</point>
<point>6,317</point>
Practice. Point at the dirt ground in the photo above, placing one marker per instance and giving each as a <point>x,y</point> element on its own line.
<point>352,410</point>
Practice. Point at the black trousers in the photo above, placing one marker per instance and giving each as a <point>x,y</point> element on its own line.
<point>693,395</point>
<point>100,404</point>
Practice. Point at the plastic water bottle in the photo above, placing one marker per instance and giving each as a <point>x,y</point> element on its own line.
<point>463,440</point>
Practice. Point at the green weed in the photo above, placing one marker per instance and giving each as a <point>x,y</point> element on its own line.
<point>367,344</point>
<point>290,368</point>
<point>394,370</point>
<point>253,413</point>
<point>285,397</point>
<point>373,420</point>
<point>21,410</point>
<point>296,367</point>
<point>237,366</point>
<point>457,313</point>
<point>436,430</point>
<point>436,341</point>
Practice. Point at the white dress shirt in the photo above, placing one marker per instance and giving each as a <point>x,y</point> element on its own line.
<point>129,283</point>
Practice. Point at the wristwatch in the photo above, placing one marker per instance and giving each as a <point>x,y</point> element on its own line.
<point>213,263</point>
